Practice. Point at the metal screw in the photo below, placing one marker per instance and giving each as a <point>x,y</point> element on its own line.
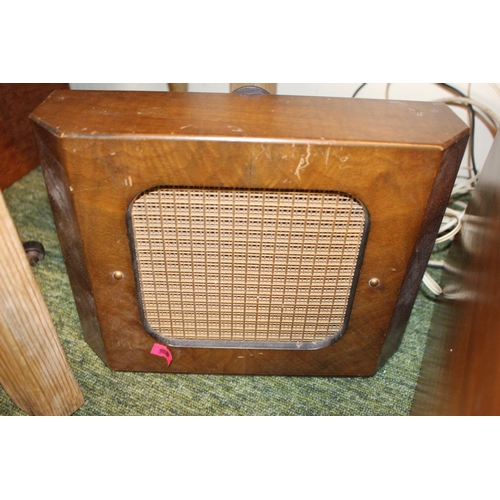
<point>118,275</point>
<point>374,282</point>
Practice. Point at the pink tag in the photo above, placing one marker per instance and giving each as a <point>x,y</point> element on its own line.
<point>161,350</point>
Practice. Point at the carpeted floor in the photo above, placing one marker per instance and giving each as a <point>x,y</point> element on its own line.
<point>390,392</point>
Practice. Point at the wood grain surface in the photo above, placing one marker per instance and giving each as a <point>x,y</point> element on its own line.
<point>34,370</point>
<point>460,372</point>
<point>100,150</point>
<point>18,153</point>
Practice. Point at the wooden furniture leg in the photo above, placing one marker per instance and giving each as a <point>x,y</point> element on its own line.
<point>34,370</point>
<point>460,372</point>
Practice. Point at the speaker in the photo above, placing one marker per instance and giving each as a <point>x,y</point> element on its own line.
<point>245,234</point>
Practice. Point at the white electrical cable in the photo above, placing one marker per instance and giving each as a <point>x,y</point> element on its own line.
<point>449,236</point>
<point>431,284</point>
<point>467,100</point>
<point>495,87</point>
<point>465,187</point>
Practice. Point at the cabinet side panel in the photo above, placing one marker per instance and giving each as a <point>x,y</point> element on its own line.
<point>438,200</point>
<point>59,194</point>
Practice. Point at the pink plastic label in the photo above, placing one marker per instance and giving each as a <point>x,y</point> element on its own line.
<point>161,350</point>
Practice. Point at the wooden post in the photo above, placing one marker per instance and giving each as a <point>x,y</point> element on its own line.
<point>178,87</point>
<point>34,370</point>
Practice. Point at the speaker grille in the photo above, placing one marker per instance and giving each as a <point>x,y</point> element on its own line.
<point>266,268</point>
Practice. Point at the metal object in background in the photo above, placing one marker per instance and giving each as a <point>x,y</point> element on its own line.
<point>34,251</point>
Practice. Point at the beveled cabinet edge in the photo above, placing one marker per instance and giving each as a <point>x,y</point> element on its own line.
<point>436,207</point>
<point>69,236</point>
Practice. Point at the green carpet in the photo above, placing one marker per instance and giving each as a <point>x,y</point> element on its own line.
<point>389,392</point>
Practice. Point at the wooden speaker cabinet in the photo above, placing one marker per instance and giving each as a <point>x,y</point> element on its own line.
<point>245,234</point>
